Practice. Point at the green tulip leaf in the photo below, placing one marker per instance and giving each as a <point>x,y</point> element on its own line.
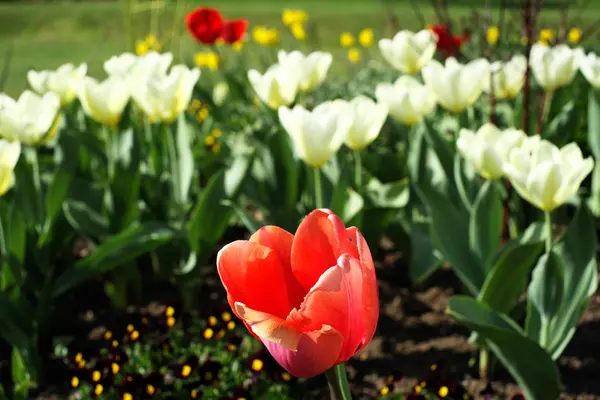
<point>525,360</point>
<point>119,250</point>
<point>485,224</point>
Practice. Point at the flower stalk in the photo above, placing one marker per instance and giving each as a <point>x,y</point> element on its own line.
<point>318,188</point>
<point>338,383</point>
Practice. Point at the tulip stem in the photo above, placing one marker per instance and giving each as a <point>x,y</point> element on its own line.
<point>338,383</point>
<point>358,170</point>
<point>548,218</point>
<point>318,188</point>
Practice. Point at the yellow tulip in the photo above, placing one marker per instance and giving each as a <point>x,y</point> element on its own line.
<point>546,35</point>
<point>493,33</point>
<point>298,31</point>
<point>366,37</point>
<point>290,17</point>
<point>575,35</point>
<point>346,39</point>
<point>265,36</point>
<point>354,55</point>
<point>207,59</point>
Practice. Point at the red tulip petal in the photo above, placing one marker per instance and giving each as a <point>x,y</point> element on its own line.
<point>269,327</point>
<point>280,241</point>
<point>233,31</point>
<point>316,246</point>
<point>205,24</point>
<point>336,300</point>
<point>370,294</point>
<point>255,275</point>
<point>317,351</point>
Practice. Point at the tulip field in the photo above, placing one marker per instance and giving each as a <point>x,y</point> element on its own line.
<point>299,200</point>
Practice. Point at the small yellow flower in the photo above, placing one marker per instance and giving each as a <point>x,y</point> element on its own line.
<point>493,33</point>
<point>265,36</point>
<point>575,35</point>
<point>141,48</point>
<point>366,37</point>
<point>209,140</point>
<point>153,43</point>
<point>546,35</point>
<point>346,39</point>
<point>216,133</point>
<point>195,105</point>
<point>298,31</point>
<point>237,46</point>
<point>290,17</point>
<point>354,55</point>
<point>202,114</point>
<point>207,59</point>
<point>216,148</point>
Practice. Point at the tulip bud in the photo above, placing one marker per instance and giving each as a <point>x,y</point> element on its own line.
<point>30,119</point>
<point>589,65</point>
<point>457,86</point>
<point>408,51</point>
<point>554,67</point>
<point>367,119</point>
<point>163,97</point>
<point>507,77</point>
<point>488,149</point>
<point>104,101</point>
<point>63,82</point>
<point>277,87</point>
<point>408,100</point>
<point>545,175</point>
<point>311,69</point>
<point>317,134</point>
<point>9,155</point>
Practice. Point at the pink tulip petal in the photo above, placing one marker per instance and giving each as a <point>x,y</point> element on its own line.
<point>316,246</point>
<point>317,352</point>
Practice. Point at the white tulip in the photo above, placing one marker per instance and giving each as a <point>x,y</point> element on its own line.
<point>31,119</point>
<point>546,176</point>
<point>407,99</point>
<point>120,65</point>
<point>488,149</point>
<point>457,86</point>
<point>589,65</point>
<point>9,155</point>
<point>128,64</point>
<point>554,67</point>
<point>317,134</point>
<point>104,101</point>
<point>409,51</point>
<point>276,87</point>
<point>64,81</point>
<point>311,69</point>
<point>164,97</point>
<point>368,118</point>
<point>507,77</point>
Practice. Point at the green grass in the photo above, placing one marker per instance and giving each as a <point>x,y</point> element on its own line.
<point>45,35</point>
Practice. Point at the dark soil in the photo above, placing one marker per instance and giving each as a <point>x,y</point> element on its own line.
<point>414,332</point>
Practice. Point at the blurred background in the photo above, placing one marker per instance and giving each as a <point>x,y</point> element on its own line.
<point>46,34</point>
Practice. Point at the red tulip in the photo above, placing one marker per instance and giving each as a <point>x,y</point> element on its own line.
<point>205,24</point>
<point>447,44</point>
<point>311,298</point>
<point>234,31</point>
